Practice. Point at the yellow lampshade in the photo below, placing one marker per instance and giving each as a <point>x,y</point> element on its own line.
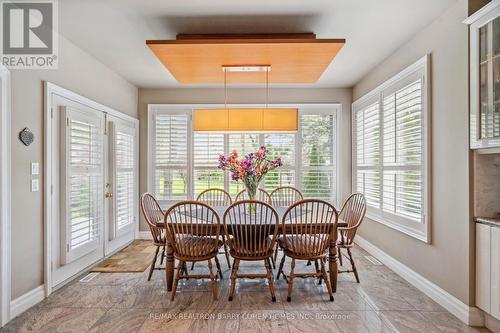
<point>245,120</point>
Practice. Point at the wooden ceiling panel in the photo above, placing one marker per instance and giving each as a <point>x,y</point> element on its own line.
<point>299,58</point>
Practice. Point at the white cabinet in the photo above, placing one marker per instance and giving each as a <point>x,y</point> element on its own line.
<point>488,269</point>
<point>483,266</point>
<point>484,36</point>
<point>495,272</point>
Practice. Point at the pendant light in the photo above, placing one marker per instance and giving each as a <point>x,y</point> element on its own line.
<point>248,120</point>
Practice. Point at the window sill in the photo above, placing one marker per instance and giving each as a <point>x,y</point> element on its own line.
<point>422,233</point>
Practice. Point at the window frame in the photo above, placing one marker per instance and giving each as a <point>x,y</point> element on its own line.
<point>419,69</point>
<point>154,109</point>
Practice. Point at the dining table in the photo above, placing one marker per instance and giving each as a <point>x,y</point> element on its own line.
<point>220,210</point>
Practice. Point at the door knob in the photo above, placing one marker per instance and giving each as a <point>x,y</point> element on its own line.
<point>109,195</point>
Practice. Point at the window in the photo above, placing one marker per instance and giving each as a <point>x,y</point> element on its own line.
<point>390,164</point>
<point>318,155</point>
<point>184,163</point>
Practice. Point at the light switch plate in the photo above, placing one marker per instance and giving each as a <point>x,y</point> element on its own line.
<point>35,168</point>
<point>35,185</point>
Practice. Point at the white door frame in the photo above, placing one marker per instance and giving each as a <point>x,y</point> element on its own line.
<point>49,90</point>
<point>5,195</point>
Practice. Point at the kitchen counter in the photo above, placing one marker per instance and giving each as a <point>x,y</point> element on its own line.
<point>492,221</point>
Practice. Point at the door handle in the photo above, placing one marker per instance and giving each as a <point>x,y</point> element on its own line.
<point>109,195</point>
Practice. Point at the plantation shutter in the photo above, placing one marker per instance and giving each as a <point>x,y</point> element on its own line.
<point>243,144</point>
<point>280,145</point>
<point>368,176</point>
<point>403,151</point>
<point>206,150</point>
<point>81,182</point>
<point>390,164</point>
<point>123,173</point>
<point>318,155</point>
<point>170,156</point>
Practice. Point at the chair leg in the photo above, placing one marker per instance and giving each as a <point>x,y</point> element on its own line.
<point>153,263</point>
<point>339,255</point>
<point>273,262</point>
<point>354,269</point>
<point>270,278</point>
<point>236,263</point>
<point>212,278</point>
<point>176,280</point>
<point>290,281</point>
<point>316,266</point>
<point>280,270</point>
<point>162,256</point>
<point>219,270</point>
<point>325,276</point>
<point>275,258</point>
<point>184,269</point>
<point>226,252</point>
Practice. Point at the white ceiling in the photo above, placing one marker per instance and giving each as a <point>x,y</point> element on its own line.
<point>115,31</point>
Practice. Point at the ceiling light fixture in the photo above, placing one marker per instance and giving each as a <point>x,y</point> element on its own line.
<point>254,120</point>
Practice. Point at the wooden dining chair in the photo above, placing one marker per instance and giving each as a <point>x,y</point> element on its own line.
<point>262,195</point>
<point>193,229</point>
<point>216,197</point>
<point>251,228</point>
<point>284,196</point>
<point>153,215</point>
<point>308,227</point>
<point>352,212</point>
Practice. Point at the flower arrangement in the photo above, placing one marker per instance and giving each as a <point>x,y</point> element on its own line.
<point>251,169</point>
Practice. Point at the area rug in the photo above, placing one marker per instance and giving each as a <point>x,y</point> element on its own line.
<point>134,258</point>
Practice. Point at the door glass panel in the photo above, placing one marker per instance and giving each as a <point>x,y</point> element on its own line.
<point>496,95</point>
<point>483,43</point>
<point>496,36</point>
<point>483,81</point>
<point>124,182</point>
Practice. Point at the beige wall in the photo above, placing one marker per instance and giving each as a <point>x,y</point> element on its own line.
<point>240,95</point>
<point>446,261</point>
<point>83,74</point>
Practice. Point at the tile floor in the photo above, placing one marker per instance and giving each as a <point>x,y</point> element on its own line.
<point>127,302</point>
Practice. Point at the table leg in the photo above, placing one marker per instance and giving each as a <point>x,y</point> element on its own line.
<point>333,265</point>
<point>169,266</point>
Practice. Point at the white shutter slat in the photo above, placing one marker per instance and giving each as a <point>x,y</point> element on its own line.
<point>280,145</point>
<point>81,185</point>
<point>368,153</point>
<point>171,156</point>
<point>243,144</point>
<point>403,147</point>
<point>206,150</point>
<point>124,178</point>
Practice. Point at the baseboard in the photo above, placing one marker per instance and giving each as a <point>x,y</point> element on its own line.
<point>26,301</point>
<point>469,315</point>
<point>491,323</point>
<point>144,235</point>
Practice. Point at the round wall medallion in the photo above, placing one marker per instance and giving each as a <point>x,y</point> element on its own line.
<point>26,136</point>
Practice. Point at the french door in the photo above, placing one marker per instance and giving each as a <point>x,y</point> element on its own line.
<point>121,186</point>
<point>95,174</point>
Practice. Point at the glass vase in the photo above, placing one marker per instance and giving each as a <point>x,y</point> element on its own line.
<point>251,187</point>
